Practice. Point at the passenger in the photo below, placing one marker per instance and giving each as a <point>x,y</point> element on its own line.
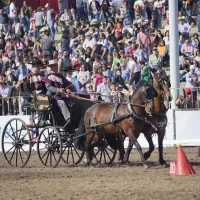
<point>32,82</point>
<point>57,87</point>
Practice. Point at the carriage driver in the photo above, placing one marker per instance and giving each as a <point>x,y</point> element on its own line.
<point>56,85</point>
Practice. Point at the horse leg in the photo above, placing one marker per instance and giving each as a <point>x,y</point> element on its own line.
<point>151,147</point>
<point>128,151</point>
<point>161,135</point>
<point>139,149</point>
<point>121,151</point>
<point>88,148</point>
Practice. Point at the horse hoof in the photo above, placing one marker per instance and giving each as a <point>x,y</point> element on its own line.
<point>145,166</point>
<point>127,163</point>
<point>146,156</point>
<point>163,164</point>
<point>87,162</point>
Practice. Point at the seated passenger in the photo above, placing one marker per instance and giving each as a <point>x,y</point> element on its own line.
<point>32,82</point>
<point>56,85</point>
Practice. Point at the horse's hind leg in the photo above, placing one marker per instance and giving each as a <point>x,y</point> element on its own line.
<point>161,135</point>
<point>151,147</point>
<point>88,148</point>
<point>121,151</point>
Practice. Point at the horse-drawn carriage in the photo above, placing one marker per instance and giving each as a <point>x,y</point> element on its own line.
<point>55,141</point>
<point>47,130</point>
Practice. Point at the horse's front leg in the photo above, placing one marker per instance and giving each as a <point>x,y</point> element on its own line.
<point>161,135</point>
<point>151,146</point>
<point>139,149</point>
<point>128,151</point>
<point>133,141</point>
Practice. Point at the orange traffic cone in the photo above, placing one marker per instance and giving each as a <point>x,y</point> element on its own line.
<point>182,166</point>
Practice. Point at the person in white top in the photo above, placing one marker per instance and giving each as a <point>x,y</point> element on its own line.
<point>158,11</point>
<point>139,7</point>
<point>13,10</point>
<point>183,27</point>
<point>90,41</point>
<point>134,70</point>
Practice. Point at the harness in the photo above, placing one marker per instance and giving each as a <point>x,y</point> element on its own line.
<point>115,120</point>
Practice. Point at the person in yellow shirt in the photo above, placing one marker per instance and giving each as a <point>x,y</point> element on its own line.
<point>163,51</point>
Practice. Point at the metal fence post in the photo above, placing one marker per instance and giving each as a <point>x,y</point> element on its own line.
<point>174,123</point>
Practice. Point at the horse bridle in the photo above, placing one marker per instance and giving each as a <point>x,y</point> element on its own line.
<point>161,89</point>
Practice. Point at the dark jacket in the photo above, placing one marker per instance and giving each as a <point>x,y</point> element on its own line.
<point>119,80</point>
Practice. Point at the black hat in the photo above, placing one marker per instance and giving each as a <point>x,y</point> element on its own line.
<point>35,61</point>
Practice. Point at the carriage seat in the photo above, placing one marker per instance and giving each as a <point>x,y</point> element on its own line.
<point>43,102</point>
<point>37,102</point>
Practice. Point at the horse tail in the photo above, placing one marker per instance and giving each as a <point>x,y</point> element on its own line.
<point>79,142</point>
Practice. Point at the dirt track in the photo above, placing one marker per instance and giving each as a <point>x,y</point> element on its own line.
<point>114,182</point>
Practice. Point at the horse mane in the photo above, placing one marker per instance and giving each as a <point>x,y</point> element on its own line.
<point>137,89</point>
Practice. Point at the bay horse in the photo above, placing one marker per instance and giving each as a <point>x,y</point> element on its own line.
<point>128,119</point>
<point>159,118</point>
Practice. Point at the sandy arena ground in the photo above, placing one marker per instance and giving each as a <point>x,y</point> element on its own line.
<point>114,182</point>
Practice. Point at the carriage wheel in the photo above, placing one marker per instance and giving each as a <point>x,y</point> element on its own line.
<point>71,156</point>
<point>103,153</point>
<point>49,146</point>
<point>16,143</point>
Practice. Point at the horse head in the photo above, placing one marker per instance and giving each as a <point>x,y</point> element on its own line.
<point>161,86</point>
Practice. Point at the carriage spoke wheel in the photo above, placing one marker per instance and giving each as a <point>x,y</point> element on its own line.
<point>49,146</point>
<point>103,153</point>
<point>16,143</point>
<point>70,155</point>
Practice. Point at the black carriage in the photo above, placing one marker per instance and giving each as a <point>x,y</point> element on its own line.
<point>47,130</point>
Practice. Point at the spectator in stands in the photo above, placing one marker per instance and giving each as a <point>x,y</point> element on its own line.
<point>65,42</point>
<point>198,11</point>
<point>197,56</point>
<point>145,73</point>
<point>187,48</point>
<point>134,70</point>
<point>83,77</point>
<point>184,27</point>
<point>13,11</point>
<point>117,79</point>
<point>139,8</point>
<point>3,21</point>
<point>47,43</point>
<point>97,77</point>
<point>39,20</point>
<point>50,19</point>
<point>64,63</point>
<point>155,59</point>
<point>91,94</point>
<point>192,84</point>
<point>4,88</point>
<point>114,93</point>
<point>181,101</point>
<point>163,52</point>
<point>103,89</point>
<point>158,6</point>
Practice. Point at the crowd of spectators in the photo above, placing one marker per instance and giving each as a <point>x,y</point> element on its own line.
<point>104,45</point>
